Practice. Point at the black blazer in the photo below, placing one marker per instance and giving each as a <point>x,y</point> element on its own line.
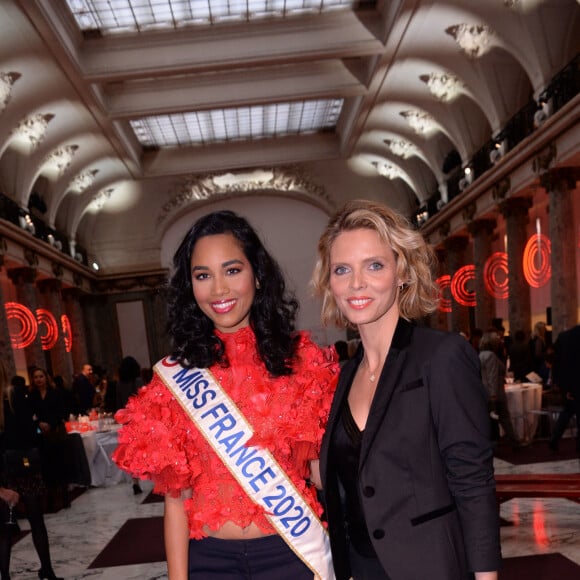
<point>426,465</point>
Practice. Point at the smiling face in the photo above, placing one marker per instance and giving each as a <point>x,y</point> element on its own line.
<point>223,281</point>
<point>363,277</point>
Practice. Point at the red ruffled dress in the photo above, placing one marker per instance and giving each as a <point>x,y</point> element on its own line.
<point>288,414</point>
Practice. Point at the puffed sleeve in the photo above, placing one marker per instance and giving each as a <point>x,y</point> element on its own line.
<point>316,379</point>
<point>156,439</point>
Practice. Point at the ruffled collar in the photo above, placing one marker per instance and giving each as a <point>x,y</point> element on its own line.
<point>243,337</point>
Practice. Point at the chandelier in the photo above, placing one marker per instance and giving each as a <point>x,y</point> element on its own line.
<point>473,39</point>
<point>34,128</point>
<point>83,181</point>
<point>6,82</point>
<point>445,86</point>
<point>420,121</point>
<point>401,148</point>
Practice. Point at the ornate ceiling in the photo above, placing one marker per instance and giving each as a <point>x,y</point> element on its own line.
<point>403,84</point>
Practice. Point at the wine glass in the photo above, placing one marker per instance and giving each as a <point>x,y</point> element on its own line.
<point>11,521</point>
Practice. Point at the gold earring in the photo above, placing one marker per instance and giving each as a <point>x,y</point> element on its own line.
<point>257,284</point>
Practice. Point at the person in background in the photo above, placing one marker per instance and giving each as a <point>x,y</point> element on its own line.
<point>493,374</point>
<point>406,461</point>
<point>230,313</point>
<point>475,337</point>
<point>566,374</point>
<point>520,357</point>
<point>129,375</point>
<point>49,411</point>
<point>65,394</point>
<point>84,390</point>
<point>19,432</point>
<point>539,348</point>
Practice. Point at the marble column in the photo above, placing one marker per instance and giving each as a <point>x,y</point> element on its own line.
<point>482,232</point>
<point>456,247</point>
<point>74,312</point>
<point>6,354</point>
<point>560,185</point>
<point>50,292</point>
<point>515,212</point>
<point>24,280</point>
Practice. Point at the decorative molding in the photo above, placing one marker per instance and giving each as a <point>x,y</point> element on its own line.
<point>196,188</point>
<point>150,282</point>
<point>444,86</point>
<point>420,121</point>
<point>469,212</point>
<point>31,257</point>
<point>473,39</point>
<point>57,270</point>
<point>34,128</point>
<point>501,189</point>
<point>7,80</point>
<point>545,159</point>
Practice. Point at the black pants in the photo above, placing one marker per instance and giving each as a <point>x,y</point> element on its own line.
<point>34,514</point>
<point>265,558</point>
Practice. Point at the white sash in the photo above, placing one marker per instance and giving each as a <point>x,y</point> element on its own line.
<point>227,431</point>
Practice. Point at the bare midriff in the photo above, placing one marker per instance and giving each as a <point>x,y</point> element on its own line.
<point>230,531</point>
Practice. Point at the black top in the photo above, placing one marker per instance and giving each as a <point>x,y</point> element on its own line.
<point>345,447</point>
<point>20,429</point>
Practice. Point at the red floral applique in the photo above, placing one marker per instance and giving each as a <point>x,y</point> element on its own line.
<point>288,414</point>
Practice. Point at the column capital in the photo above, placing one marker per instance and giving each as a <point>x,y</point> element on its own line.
<point>49,285</point>
<point>544,160</point>
<point>22,275</point>
<point>515,207</point>
<point>481,226</point>
<point>456,243</point>
<point>562,179</point>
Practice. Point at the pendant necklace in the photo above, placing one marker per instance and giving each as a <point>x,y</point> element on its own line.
<point>372,376</point>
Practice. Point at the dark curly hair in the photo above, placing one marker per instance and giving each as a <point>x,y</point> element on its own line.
<point>273,311</point>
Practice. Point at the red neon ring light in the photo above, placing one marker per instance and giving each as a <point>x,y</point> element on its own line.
<point>495,275</point>
<point>537,267</point>
<point>46,319</point>
<point>28,327</point>
<point>444,282</point>
<point>459,283</point>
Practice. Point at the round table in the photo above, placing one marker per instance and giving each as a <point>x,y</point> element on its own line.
<point>522,400</point>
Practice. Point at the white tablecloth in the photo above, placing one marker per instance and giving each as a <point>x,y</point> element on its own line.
<point>99,447</point>
<point>522,400</point>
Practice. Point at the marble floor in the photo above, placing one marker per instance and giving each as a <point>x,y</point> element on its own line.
<point>78,535</point>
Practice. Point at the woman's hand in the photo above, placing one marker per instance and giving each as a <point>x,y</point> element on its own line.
<point>315,473</point>
<point>10,496</point>
<point>486,576</point>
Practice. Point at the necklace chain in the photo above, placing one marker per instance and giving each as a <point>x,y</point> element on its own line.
<point>372,376</point>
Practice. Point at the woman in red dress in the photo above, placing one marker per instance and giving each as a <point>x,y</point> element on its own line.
<point>230,313</point>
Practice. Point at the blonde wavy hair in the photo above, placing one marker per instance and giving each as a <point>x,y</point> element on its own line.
<point>415,259</point>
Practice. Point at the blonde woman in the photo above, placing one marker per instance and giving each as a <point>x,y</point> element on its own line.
<point>406,460</point>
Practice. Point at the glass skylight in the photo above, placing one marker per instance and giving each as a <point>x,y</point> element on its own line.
<point>222,125</point>
<point>122,16</point>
